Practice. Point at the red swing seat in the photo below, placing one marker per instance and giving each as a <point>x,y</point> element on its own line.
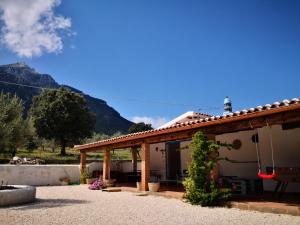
<point>267,176</point>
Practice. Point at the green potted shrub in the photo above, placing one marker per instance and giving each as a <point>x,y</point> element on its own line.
<point>86,177</point>
<point>200,185</point>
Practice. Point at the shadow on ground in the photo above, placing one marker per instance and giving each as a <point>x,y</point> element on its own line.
<point>49,203</point>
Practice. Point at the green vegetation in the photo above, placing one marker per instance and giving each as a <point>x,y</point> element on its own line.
<point>85,175</point>
<point>53,156</point>
<point>58,118</point>
<point>139,127</point>
<point>12,125</point>
<point>199,185</point>
<point>62,115</point>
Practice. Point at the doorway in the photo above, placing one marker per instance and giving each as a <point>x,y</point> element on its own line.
<point>173,160</point>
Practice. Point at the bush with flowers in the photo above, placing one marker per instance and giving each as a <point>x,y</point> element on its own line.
<point>97,185</point>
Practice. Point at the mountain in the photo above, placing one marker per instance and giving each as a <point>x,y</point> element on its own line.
<point>108,120</point>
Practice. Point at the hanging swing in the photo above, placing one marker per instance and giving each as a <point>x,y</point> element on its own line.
<point>260,173</point>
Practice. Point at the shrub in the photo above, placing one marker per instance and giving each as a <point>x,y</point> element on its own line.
<point>199,185</point>
<point>85,174</point>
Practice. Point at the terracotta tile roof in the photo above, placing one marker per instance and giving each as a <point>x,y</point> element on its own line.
<point>202,114</point>
<point>257,110</point>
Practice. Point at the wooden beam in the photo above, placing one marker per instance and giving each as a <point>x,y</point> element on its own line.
<point>275,119</point>
<point>106,165</point>
<point>171,137</point>
<point>82,161</point>
<point>145,166</point>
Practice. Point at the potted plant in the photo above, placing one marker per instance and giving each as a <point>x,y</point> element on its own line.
<point>89,178</point>
<point>138,186</point>
<point>86,177</point>
<point>65,181</point>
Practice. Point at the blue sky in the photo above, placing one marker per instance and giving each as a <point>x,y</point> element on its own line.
<point>161,58</point>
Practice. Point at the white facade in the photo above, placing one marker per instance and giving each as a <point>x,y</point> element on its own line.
<point>286,154</point>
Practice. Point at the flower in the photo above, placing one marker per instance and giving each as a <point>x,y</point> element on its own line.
<point>97,185</point>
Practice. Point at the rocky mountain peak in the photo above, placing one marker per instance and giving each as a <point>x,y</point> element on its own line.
<point>108,120</point>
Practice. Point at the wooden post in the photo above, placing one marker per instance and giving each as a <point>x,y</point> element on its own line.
<point>82,161</point>
<point>134,158</point>
<point>145,166</point>
<point>106,165</point>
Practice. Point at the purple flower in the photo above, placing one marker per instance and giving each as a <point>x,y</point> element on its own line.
<point>97,185</point>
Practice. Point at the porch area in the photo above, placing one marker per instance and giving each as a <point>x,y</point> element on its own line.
<point>265,202</point>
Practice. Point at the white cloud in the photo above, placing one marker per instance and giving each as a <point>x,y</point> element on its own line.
<point>155,121</point>
<point>30,27</point>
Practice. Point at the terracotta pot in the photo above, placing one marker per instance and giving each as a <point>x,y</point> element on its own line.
<point>64,183</point>
<point>138,186</point>
<point>154,186</point>
<point>109,183</point>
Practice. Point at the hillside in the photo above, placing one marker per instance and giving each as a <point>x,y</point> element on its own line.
<point>108,121</point>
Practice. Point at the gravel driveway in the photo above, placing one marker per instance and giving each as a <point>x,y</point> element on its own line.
<point>78,205</point>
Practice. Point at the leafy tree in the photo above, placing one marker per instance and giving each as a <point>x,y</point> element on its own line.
<point>62,115</point>
<point>99,137</point>
<point>139,127</point>
<point>12,124</point>
<point>199,185</point>
<point>30,142</point>
<point>96,137</point>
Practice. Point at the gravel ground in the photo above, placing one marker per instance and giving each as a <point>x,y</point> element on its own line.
<point>78,205</point>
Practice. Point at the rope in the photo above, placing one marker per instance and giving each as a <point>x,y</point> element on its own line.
<point>272,147</point>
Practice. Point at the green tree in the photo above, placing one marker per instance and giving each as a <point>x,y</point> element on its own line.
<point>62,115</point>
<point>12,124</point>
<point>139,127</point>
<point>200,187</point>
<point>30,142</point>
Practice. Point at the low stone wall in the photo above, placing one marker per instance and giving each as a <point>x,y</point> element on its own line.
<point>43,175</point>
<point>38,175</point>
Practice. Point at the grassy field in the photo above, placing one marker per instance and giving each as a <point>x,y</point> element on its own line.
<point>72,155</point>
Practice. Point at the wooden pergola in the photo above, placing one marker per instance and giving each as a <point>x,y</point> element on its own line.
<point>284,112</point>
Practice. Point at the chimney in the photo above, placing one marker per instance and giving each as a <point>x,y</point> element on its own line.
<point>227,106</point>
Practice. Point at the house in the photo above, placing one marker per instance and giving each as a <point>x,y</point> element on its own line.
<point>160,147</point>
<point>243,156</point>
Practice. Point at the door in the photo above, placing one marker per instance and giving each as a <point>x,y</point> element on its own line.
<point>173,162</point>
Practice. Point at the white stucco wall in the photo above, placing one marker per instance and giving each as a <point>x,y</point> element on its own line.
<point>185,155</point>
<point>158,158</point>
<point>245,153</point>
